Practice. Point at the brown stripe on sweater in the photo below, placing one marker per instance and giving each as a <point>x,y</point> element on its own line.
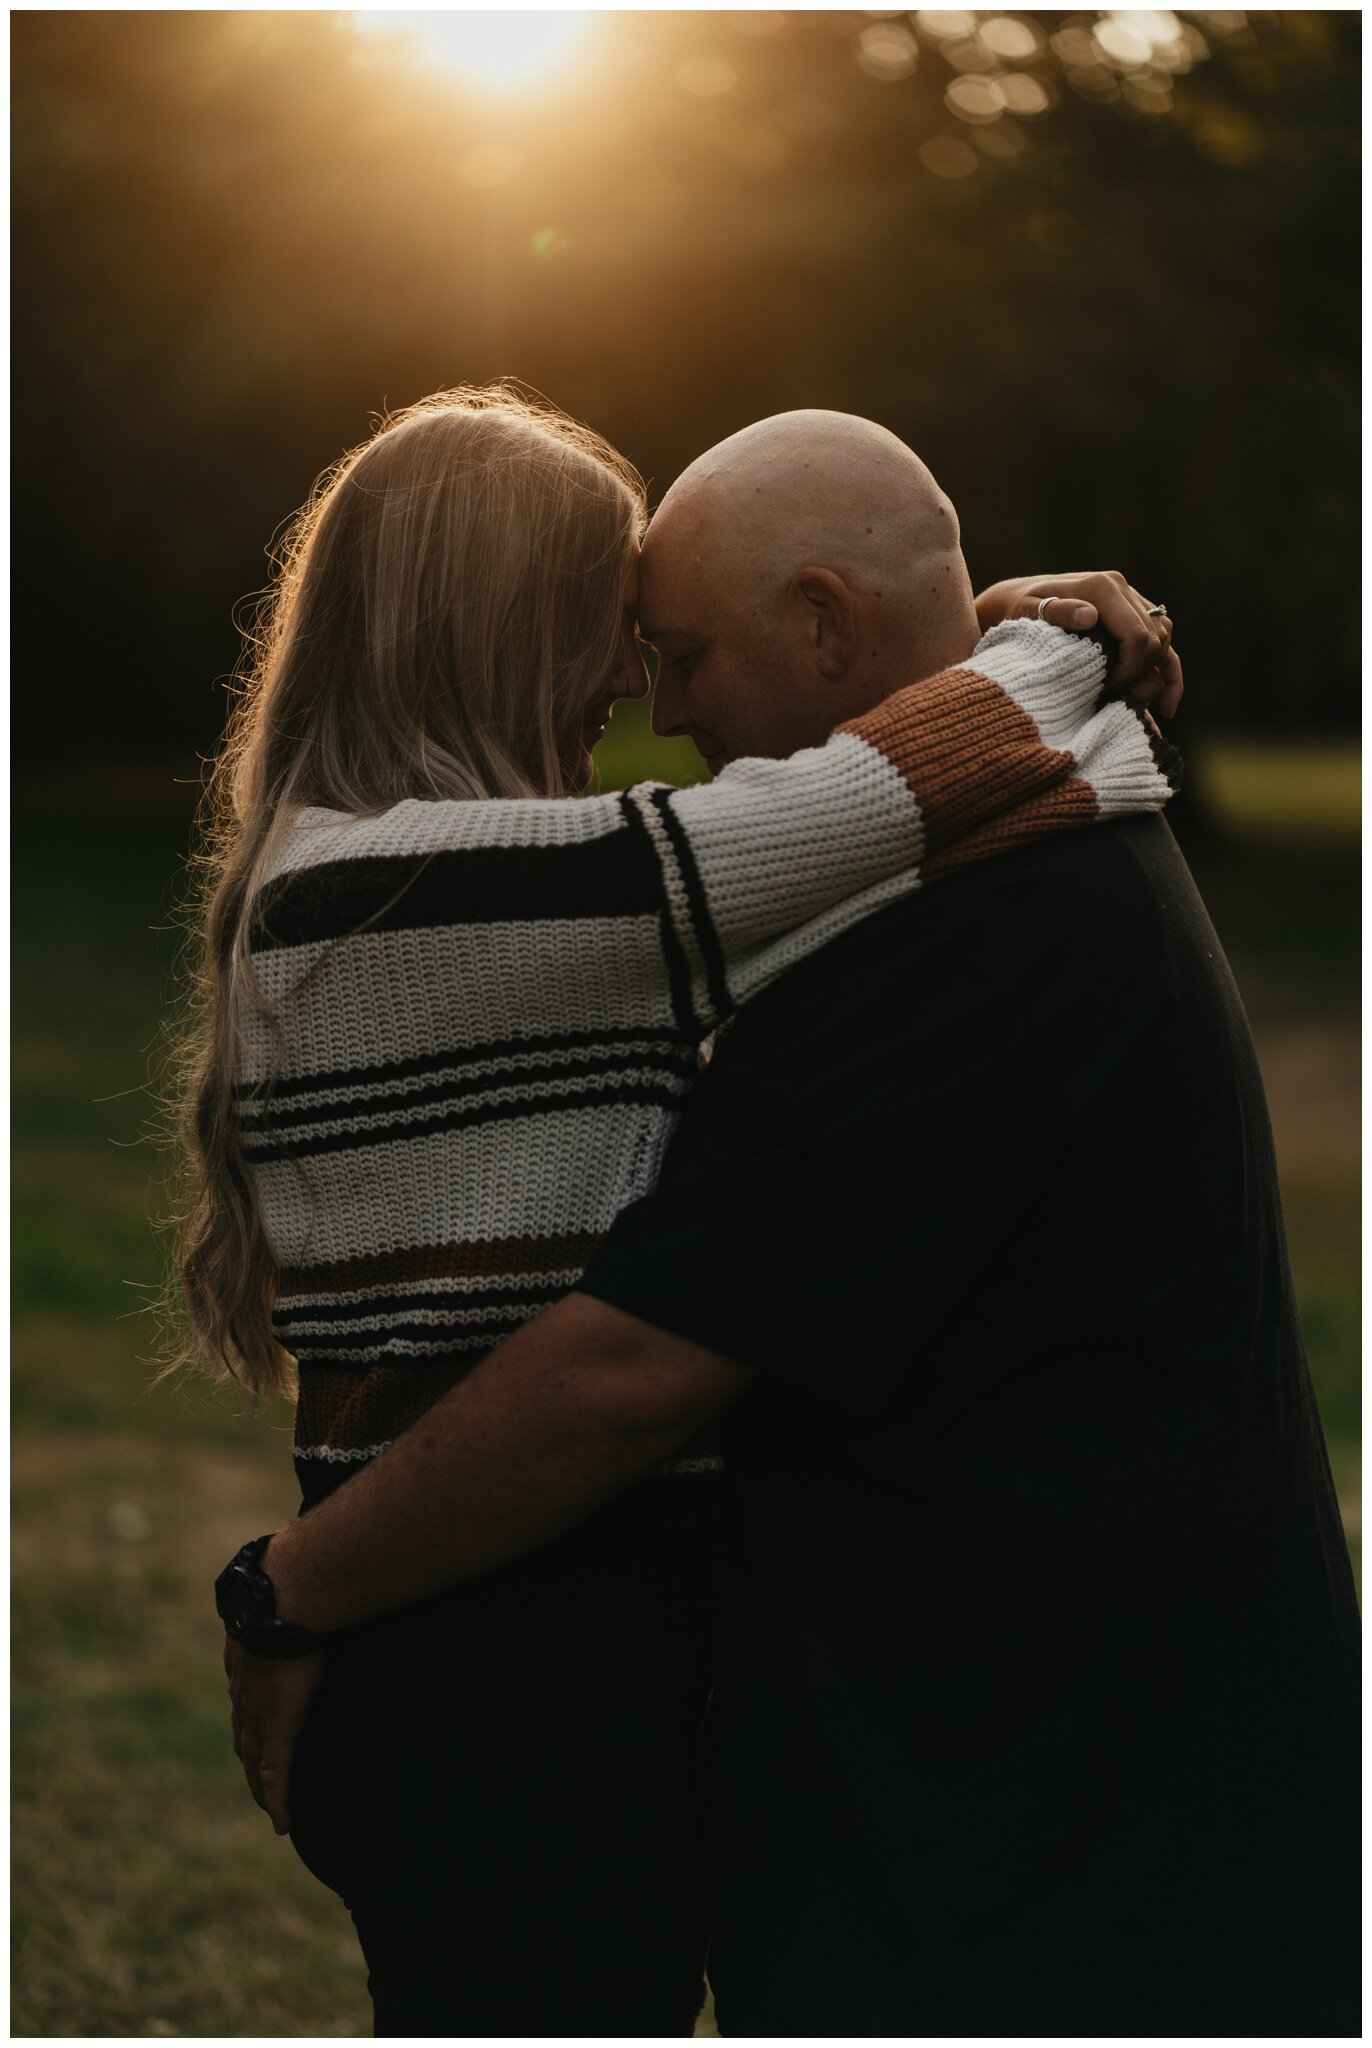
<point>965,749</point>
<point>1055,810</point>
<point>352,1411</point>
<point>493,1258</point>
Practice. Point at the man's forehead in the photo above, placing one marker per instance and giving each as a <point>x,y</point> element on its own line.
<point>670,547</point>
<point>672,585</point>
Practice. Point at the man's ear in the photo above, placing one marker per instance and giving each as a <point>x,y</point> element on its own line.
<point>832,619</point>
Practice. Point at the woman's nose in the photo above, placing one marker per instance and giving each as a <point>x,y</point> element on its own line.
<point>635,675</point>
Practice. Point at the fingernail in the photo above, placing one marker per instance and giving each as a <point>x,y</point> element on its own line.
<point>1082,615</point>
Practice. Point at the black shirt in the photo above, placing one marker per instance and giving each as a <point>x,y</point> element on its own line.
<point>1038,1706</point>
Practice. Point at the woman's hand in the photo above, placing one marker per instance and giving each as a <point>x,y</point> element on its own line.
<point>271,1699</point>
<point>1104,601</point>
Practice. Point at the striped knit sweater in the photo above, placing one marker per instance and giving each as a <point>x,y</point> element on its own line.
<point>484,1015</point>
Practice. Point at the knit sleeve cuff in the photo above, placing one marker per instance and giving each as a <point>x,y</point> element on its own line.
<point>1018,737</point>
<point>1055,677</point>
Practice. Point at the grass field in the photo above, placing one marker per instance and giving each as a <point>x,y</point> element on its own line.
<point>150,1897</point>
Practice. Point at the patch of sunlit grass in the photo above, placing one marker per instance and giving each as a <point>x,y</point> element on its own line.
<point>632,752</point>
<point>1287,791</point>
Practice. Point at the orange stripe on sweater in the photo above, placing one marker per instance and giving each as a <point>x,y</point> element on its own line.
<point>1056,810</point>
<point>968,753</point>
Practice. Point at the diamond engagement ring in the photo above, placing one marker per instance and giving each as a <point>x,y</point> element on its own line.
<point>1158,611</point>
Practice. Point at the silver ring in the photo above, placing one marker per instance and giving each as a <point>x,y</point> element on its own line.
<point>1044,603</point>
<point>1158,611</point>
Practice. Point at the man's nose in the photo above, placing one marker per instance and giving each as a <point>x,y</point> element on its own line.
<point>669,705</point>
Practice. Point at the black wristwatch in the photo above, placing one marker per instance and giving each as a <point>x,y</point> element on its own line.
<point>246,1599</point>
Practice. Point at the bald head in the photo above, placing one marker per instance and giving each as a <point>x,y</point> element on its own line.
<point>811,487</point>
<point>819,550</point>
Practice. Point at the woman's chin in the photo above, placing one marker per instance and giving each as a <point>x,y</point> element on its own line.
<point>578,756</point>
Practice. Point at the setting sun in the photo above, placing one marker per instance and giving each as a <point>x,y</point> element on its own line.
<point>498,50</point>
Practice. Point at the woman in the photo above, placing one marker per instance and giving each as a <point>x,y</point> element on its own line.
<point>444,1026</point>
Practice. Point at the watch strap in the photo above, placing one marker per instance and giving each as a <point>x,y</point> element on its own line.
<point>246,1600</point>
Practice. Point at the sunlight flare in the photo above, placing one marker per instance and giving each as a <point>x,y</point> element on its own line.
<point>500,51</point>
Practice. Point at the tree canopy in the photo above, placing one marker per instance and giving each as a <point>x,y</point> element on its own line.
<point>1099,268</point>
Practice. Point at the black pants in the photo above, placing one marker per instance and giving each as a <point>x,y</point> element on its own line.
<point>505,1784</point>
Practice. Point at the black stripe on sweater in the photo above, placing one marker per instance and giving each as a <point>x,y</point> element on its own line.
<point>325,1078</point>
<point>590,878</point>
<point>265,1121</point>
<point>707,938</point>
<point>658,1096</point>
<point>376,1311</point>
<point>678,968</point>
<point>490,1323</point>
<point>312,1354</point>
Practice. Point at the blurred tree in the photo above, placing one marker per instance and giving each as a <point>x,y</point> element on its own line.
<point>1099,268</point>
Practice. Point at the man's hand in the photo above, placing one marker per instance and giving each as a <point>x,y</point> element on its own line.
<point>1104,601</point>
<point>271,1699</point>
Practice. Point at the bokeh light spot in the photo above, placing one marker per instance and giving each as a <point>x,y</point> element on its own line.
<point>1123,43</point>
<point>1025,94</point>
<point>1156,32</point>
<point>940,24</point>
<point>707,77</point>
<point>947,157</point>
<point>1097,82</point>
<point>1149,94</point>
<point>974,99</point>
<point>1194,43</point>
<point>1009,37</point>
<point>1158,26</point>
<point>887,49</point>
<point>969,53</point>
<point>1075,46</point>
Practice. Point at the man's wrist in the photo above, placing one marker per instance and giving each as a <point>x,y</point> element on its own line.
<point>283,1562</point>
<point>992,605</point>
<point>256,1610</point>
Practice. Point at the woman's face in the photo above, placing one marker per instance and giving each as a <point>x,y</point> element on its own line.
<point>627,677</point>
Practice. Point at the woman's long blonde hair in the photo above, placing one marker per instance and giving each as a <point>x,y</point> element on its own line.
<point>439,614</point>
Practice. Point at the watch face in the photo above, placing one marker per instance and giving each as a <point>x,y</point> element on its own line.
<point>236,1603</point>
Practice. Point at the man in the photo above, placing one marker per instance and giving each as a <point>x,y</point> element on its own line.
<point>1038,1697</point>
